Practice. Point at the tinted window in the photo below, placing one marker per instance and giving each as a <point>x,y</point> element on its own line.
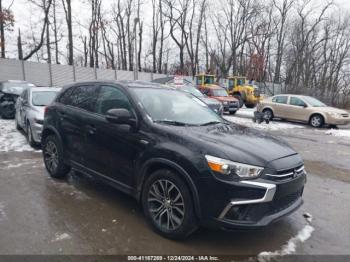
<point>80,96</point>
<point>111,98</point>
<point>295,101</point>
<point>280,99</point>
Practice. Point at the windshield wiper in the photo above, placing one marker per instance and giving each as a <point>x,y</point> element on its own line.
<point>212,123</point>
<point>171,122</point>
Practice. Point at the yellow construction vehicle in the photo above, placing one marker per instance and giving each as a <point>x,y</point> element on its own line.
<point>205,80</point>
<point>247,93</point>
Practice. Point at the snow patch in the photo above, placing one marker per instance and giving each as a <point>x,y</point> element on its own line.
<point>338,132</point>
<point>60,237</point>
<point>272,126</point>
<point>11,139</point>
<point>290,247</point>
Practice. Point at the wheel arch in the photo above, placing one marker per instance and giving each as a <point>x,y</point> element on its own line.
<point>318,113</point>
<point>50,131</point>
<point>155,164</point>
<point>269,108</point>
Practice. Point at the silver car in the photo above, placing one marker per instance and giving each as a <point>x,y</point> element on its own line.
<point>30,108</point>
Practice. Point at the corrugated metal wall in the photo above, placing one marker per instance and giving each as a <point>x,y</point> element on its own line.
<point>42,74</point>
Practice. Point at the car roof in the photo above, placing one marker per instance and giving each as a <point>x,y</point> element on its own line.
<point>300,96</point>
<point>214,87</point>
<point>124,83</point>
<point>45,88</point>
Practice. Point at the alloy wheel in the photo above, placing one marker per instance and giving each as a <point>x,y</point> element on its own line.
<point>268,114</point>
<point>316,121</point>
<point>166,205</point>
<point>51,156</point>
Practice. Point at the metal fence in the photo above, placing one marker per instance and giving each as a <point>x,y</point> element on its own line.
<point>42,74</point>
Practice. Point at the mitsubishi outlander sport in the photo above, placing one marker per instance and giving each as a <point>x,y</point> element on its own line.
<point>187,166</point>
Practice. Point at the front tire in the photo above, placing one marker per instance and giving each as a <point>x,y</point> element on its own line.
<point>18,127</point>
<point>53,157</point>
<point>232,112</point>
<point>168,205</point>
<point>30,138</point>
<point>316,121</point>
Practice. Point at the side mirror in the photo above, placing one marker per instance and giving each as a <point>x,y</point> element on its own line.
<point>305,105</point>
<point>120,116</point>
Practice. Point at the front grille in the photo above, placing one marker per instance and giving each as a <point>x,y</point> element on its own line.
<point>284,202</point>
<point>345,115</point>
<point>251,213</point>
<point>286,173</point>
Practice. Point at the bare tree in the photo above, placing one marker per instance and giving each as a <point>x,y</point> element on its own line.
<point>6,22</point>
<point>45,6</point>
<point>67,6</point>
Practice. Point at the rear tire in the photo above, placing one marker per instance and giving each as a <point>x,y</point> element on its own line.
<point>250,105</point>
<point>53,157</point>
<point>268,114</point>
<point>168,206</point>
<point>316,121</point>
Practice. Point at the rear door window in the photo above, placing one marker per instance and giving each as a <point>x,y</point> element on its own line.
<point>295,101</point>
<point>83,97</point>
<point>280,99</point>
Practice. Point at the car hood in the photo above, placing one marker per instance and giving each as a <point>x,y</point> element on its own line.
<point>225,98</point>
<point>235,143</point>
<point>329,109</point>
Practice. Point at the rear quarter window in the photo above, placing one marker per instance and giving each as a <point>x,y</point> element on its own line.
<point>280,99</point>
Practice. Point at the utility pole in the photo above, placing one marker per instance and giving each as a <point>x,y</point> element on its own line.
<point>136,20</point>
<point>19,45</point>
<point>2,31</point>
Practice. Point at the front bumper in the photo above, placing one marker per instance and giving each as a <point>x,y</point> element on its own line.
<point>36,131</point>
<point>338,121</point>
<point>231,107</point>
<point>253,203</point>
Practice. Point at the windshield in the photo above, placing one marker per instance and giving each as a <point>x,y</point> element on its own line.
<point>219,92</point>
<point>15,87</point>
<point>191,89</point>
<point>174,107</point>
<point>43,98</point>
<point>313,101</point>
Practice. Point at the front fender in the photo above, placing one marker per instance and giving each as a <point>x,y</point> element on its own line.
<point>160,162</point>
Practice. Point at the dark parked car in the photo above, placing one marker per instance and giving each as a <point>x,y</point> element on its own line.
<point>9,92</point>
<point>186,169</point>
<point>190,88</point>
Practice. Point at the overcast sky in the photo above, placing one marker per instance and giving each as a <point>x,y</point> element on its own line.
<point>25,17</point>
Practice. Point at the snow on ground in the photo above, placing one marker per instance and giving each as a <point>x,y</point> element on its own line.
<point>244,116</point>
<point>290,247</point>
<point>338,132</point>
<point>11,139</point>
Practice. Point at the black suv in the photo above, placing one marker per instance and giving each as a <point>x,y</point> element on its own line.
<point>184,163</point>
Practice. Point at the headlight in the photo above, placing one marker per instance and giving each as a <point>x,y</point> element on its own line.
<point>336,115</point>
<point>228,168</point>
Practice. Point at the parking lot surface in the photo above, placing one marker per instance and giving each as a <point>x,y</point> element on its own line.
<point>40,215</point>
